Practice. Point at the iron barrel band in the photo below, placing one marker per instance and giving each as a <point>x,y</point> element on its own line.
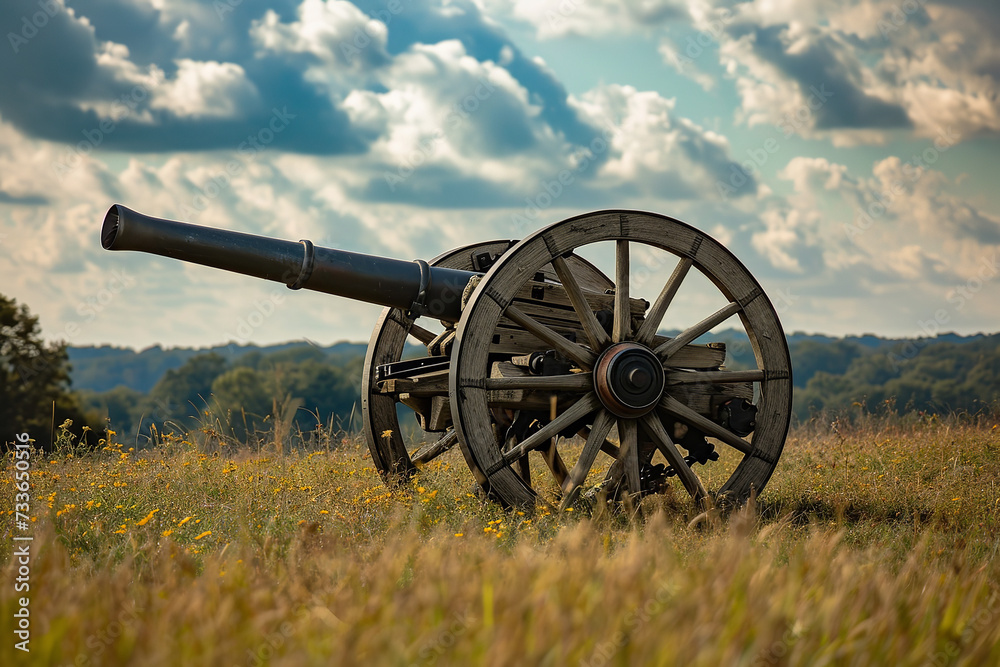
<point>419,305</point>
<point>308,262</point>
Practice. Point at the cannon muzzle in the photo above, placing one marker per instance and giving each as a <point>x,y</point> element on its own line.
<point>413,286</point>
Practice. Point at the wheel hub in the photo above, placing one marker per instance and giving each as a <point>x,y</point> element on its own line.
<point>629,379</point>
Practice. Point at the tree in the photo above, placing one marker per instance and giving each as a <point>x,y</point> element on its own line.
<point>186,390</point>
<point>34,378</point>
<point>812,356</point>
<point>245,399</point>
<point>123,408</point>
<point>327,392</point>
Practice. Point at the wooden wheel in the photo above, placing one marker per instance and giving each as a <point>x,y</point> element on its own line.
<point>386,346</point>
<point>658,393</point>
<point>387,343</point>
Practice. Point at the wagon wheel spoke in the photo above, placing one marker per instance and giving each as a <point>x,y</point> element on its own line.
<point>704,424</point>
<point>429,452</point>
<point>524,469</point>
<point>577,411</point>
<point>655,314</point>
<point>666,446</point>
<point>421,334</point>
<point>507,441</point>
<point>608,447</point>
<point>595,439</point>
<point>628,433</point>
<point>555,463</point>
<point>577,353</point>
<point>595,333</point>
<point>713,377</point>
<point>573,382</point>
<point>667,349</point>
<point>622,329</point>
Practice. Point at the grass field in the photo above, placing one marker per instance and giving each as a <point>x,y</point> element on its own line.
<point>875,543</point>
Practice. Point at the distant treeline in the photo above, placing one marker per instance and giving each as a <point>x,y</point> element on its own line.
<point>945,374</point>
<point>930,375</point>
<point>241,388</point>
<point>235,391</point>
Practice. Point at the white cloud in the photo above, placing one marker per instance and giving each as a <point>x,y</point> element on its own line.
<point>912,262</point>
<point>782,237</point>
<point>559,18</point>
<point>207,90</point>
<point>334,31</point>
<point>446,109</point>
<point>889,65</point>
<point>653,148</point>
<point>899,221</point>
<point>674,57</point>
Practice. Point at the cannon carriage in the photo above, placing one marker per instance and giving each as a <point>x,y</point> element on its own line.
<point>547,372</point>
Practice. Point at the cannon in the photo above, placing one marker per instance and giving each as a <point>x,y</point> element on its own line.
<point>551,375</point>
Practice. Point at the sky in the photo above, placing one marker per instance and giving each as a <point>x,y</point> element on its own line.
<point>847,152</point>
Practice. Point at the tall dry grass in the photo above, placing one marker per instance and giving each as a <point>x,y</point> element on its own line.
<point>874,544</point>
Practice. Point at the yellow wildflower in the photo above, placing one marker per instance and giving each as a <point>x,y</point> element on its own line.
<point>144,521</point>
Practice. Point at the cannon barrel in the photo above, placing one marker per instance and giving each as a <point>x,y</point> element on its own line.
<point>413,286</point>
